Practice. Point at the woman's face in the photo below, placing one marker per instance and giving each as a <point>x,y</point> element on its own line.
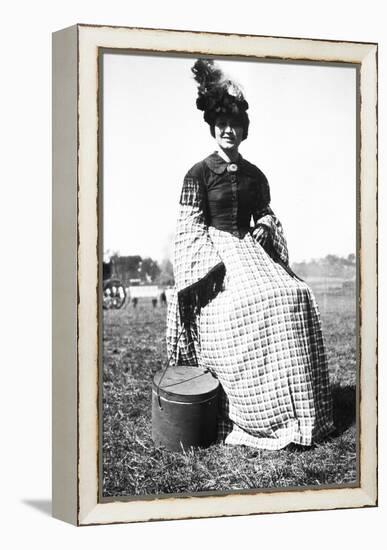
<point>228,132</point>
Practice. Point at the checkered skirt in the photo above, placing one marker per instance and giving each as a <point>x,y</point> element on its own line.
<point>260,336</point>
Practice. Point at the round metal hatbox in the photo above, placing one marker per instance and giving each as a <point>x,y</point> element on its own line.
<point>184,408</point>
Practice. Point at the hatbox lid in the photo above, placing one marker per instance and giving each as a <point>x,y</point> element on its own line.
<point>190,384</point>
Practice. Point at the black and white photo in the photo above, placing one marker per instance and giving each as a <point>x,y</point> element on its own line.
<point>245,220</point>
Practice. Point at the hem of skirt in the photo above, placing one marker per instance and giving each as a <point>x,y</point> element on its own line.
<point>272,444</point>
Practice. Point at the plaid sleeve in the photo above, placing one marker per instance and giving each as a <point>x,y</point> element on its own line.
<point>275,242</point>
<point>194,255</point>
<point>277,239</point>
<point>199,272</point>
<point>192,193</point>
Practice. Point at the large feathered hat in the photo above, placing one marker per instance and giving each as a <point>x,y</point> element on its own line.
<point>218,95</point>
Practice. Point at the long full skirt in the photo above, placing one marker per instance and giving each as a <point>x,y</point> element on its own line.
<point>261,337</point>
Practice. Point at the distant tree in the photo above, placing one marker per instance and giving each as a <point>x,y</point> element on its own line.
<point>149,270</point>
<point>332,259</point>
<point>166,276</point>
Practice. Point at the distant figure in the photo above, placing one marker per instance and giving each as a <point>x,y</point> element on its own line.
<point>163,298</point>
<point>134,302</point>
<point>154,302</point>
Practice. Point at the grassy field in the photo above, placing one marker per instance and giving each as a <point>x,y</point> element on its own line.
<point>134,349</point>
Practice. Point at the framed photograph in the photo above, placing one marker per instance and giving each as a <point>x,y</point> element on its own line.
<point>214,274</point>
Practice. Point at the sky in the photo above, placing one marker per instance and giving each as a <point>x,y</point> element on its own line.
<point>302,135</point>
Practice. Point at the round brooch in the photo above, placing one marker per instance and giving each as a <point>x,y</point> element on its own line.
<point>232,167</point>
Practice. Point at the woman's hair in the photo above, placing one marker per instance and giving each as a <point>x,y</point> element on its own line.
<point>218,95</point>
<point>241,119</point>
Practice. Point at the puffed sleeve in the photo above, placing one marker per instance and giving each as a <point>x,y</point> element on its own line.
<point>272,237</point>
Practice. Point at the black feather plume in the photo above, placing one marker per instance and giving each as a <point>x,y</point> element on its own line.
<point>206,74</point>
<point>216,93</point>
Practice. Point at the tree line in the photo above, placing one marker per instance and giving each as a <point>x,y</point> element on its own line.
<point>329,266</point>
<point>147,270</point>
<point>135,268</point>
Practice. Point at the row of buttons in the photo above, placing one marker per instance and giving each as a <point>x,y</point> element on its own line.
<point>234,182</point>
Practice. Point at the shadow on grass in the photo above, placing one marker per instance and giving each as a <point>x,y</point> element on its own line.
<point>344,407</point>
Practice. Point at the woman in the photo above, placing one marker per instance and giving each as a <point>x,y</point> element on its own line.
<point>238,309</point>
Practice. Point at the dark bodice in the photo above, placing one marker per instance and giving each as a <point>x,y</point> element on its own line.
<point>231,197</point>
